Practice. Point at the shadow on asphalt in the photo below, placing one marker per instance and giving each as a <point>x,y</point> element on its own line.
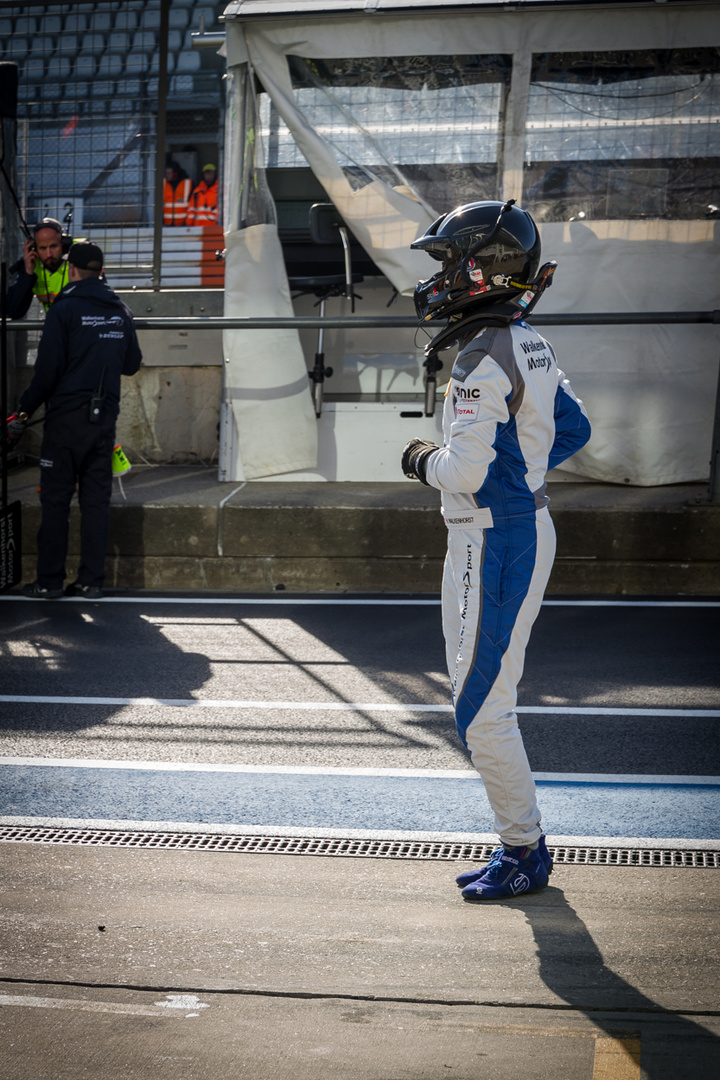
<point>673,1047</point>
<point>67,649</point>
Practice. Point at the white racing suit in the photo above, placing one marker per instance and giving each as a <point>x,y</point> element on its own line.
<point>509,416</point>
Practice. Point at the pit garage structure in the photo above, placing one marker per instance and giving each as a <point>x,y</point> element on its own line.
<point>602,119</point>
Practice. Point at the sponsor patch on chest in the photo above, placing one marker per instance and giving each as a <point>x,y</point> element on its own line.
<point>466,410</point>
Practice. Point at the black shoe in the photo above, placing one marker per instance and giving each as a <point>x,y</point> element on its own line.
<point>38,591</point>
<point>90,592</point>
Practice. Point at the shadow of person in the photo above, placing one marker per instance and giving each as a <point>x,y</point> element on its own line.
<point>67,666</point>
<point>672,1046</point>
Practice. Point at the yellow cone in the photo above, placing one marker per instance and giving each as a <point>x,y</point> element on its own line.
<point>120,463</point>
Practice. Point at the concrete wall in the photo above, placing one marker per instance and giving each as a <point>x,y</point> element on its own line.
<point>170,410</point>
<point>167,414</point>
<point>171,414</point>
<point>179,529</point>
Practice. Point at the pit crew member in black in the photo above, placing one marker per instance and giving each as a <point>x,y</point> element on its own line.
<point>87,343</point>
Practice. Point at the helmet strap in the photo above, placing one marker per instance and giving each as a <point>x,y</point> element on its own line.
<point>542,282</point>
<point>469,327</point>
<point>485,240</point>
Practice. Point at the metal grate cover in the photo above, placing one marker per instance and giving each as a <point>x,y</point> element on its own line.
<point>345,846</point>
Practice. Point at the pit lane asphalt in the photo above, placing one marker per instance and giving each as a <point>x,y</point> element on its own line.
<point>618,691</point>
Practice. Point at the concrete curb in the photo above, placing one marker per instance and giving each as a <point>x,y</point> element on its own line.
<point>180,529</point>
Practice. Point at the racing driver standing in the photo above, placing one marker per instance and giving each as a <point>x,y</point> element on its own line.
<point>509,416</point>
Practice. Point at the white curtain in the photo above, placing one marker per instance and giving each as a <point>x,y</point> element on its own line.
<point>649,389</point>
<point>268,422</point>
<point>266,379</point>
<point>384,218</point>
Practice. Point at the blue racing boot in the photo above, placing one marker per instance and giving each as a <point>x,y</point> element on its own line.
<point>474,875</point>
<point>510,872</point>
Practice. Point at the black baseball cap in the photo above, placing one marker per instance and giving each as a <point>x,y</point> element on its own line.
<point>86,256</point>
<point>48,223</point>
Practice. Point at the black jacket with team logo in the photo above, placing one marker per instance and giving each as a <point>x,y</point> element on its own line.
<point>88,342</point>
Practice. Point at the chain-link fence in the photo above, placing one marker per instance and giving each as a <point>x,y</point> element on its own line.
<point>92,107</point>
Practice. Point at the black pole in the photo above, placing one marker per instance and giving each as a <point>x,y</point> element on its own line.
<point>339,322</point>
<point>160,141</point>
<point>714,486</point>
<point>3,379</point>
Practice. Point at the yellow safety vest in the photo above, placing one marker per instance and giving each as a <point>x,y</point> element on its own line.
<point>48,285</point>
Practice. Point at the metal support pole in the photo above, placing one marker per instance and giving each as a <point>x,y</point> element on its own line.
<point>243,147</point>
<point>348,265</point>
<point>714,487</point>
<point>160,142</point>
<point>3,378</point>
<point>347,322</point>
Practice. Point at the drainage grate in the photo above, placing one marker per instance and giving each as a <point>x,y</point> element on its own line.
<point>345,846</point>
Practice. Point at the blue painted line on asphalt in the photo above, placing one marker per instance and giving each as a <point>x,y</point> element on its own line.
<point>292,800</point>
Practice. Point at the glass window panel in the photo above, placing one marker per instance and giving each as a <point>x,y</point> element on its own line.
<point>431,123</point>
<point>623,134</point>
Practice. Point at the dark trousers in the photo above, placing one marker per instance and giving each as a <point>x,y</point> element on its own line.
<point>74,451</point>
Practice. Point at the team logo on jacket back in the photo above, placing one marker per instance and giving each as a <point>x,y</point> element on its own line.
<point>101,320</point>
<point>543,361</point>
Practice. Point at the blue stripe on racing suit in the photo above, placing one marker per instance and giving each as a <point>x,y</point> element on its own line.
<point>572,429</point>
<point>508,562</point>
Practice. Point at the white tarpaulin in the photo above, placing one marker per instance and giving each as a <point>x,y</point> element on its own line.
<point>384,219</point>
<point>266,379</point>
<point>650,390</point>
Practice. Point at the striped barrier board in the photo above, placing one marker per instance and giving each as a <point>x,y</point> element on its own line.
<point>188,256</point>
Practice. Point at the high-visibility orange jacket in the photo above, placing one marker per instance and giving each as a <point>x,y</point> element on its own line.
<point>203,208</point>
<point>175,200</point>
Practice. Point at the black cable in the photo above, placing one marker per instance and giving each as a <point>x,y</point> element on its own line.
<point>12,191</point>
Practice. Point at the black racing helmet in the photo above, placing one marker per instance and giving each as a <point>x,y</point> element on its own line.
<point>490,253</point>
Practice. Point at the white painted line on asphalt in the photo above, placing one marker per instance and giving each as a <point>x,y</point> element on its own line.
<point>331,770</point>
<point>591,710</point>
<point>240,601</point>
<point>197,766</point>
<point>633,603</point>
<point>350,602</point>
<point>161,1008</point>
<point>342,706</point>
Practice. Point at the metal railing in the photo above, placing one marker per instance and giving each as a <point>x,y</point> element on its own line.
<point>310,322</point>
<point>341,322</point>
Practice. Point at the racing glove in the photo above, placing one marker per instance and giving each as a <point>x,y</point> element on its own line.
<point>415,457</point>
<point>14,427</point>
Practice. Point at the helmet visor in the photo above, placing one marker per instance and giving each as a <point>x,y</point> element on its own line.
<point>437,247</point>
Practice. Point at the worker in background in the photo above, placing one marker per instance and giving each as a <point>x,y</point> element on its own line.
<point>176,195</point>
<point>42,271</point>
<point>87,344</point>
<point>203,209</point>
